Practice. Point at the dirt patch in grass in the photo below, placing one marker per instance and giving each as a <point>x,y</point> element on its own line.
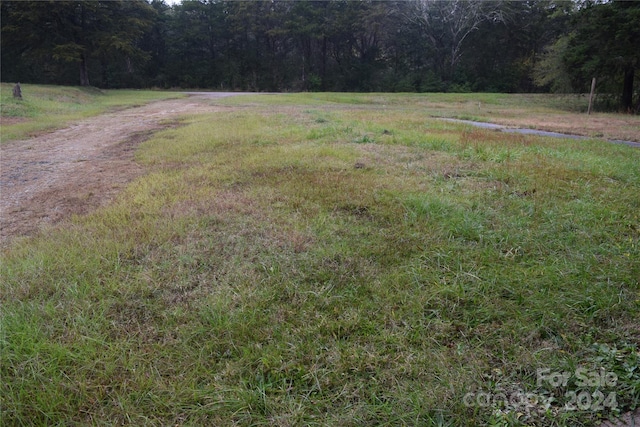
<point>77,169</point>
<point>628,419</point>
<point>607,126</point>
<point>6,121</point>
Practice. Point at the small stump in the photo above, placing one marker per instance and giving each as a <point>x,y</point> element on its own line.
<point>17,91</point>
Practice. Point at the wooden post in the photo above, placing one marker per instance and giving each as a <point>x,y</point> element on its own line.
<point>593,89</point>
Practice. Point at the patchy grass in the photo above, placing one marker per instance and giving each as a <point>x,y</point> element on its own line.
<point>559,113</point>
<point>44,108</point>
<point>335,260</point>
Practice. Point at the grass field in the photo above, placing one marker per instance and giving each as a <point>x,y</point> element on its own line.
<point>44,108</point>
<point>338,260</point>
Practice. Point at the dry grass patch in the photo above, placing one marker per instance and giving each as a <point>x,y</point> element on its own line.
<point>606,126</point>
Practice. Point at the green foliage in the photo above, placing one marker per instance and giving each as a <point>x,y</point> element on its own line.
<point>551,71</point>
<point>42,35</point>
<point>418,46</point>
<point>605,45</point>
<point>408,46</point>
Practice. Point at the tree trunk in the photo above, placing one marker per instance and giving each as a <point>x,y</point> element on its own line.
<point>323,70</point>
<point>627,90</point>
<point>84,72</point>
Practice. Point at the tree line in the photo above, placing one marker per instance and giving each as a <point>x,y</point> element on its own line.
<point>333,45</point>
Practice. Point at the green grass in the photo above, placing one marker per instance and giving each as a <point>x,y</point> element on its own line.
<point>332,260</point>
<point>445,103</point>
<point>45,108</point>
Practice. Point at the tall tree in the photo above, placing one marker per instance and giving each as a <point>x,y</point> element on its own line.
<point>606,43</point>
<point>76,31</point>
<point>447,25</point>
<point>500,55</point>
<point>308,25</point>
<point>154,42</point>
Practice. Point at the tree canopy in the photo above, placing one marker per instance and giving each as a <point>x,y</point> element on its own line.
<point>605,42</point>
<point>334,45</point>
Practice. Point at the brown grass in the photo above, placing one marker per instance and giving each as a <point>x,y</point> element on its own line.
<point>606,126</point>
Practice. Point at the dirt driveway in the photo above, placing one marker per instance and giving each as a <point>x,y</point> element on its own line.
<point>78,168</point>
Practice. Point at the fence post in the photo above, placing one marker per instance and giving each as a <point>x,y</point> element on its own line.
<point>593,88</point>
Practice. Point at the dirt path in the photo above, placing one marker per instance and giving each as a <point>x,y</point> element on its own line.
<point>76,169</point>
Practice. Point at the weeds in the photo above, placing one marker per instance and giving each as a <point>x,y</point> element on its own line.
<point>276,268</point>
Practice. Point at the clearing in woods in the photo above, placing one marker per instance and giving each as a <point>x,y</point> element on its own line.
<point>326,259</point>
<point>78,168</point>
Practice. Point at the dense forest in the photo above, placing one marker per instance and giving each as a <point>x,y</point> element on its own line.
<point>334,45</point>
